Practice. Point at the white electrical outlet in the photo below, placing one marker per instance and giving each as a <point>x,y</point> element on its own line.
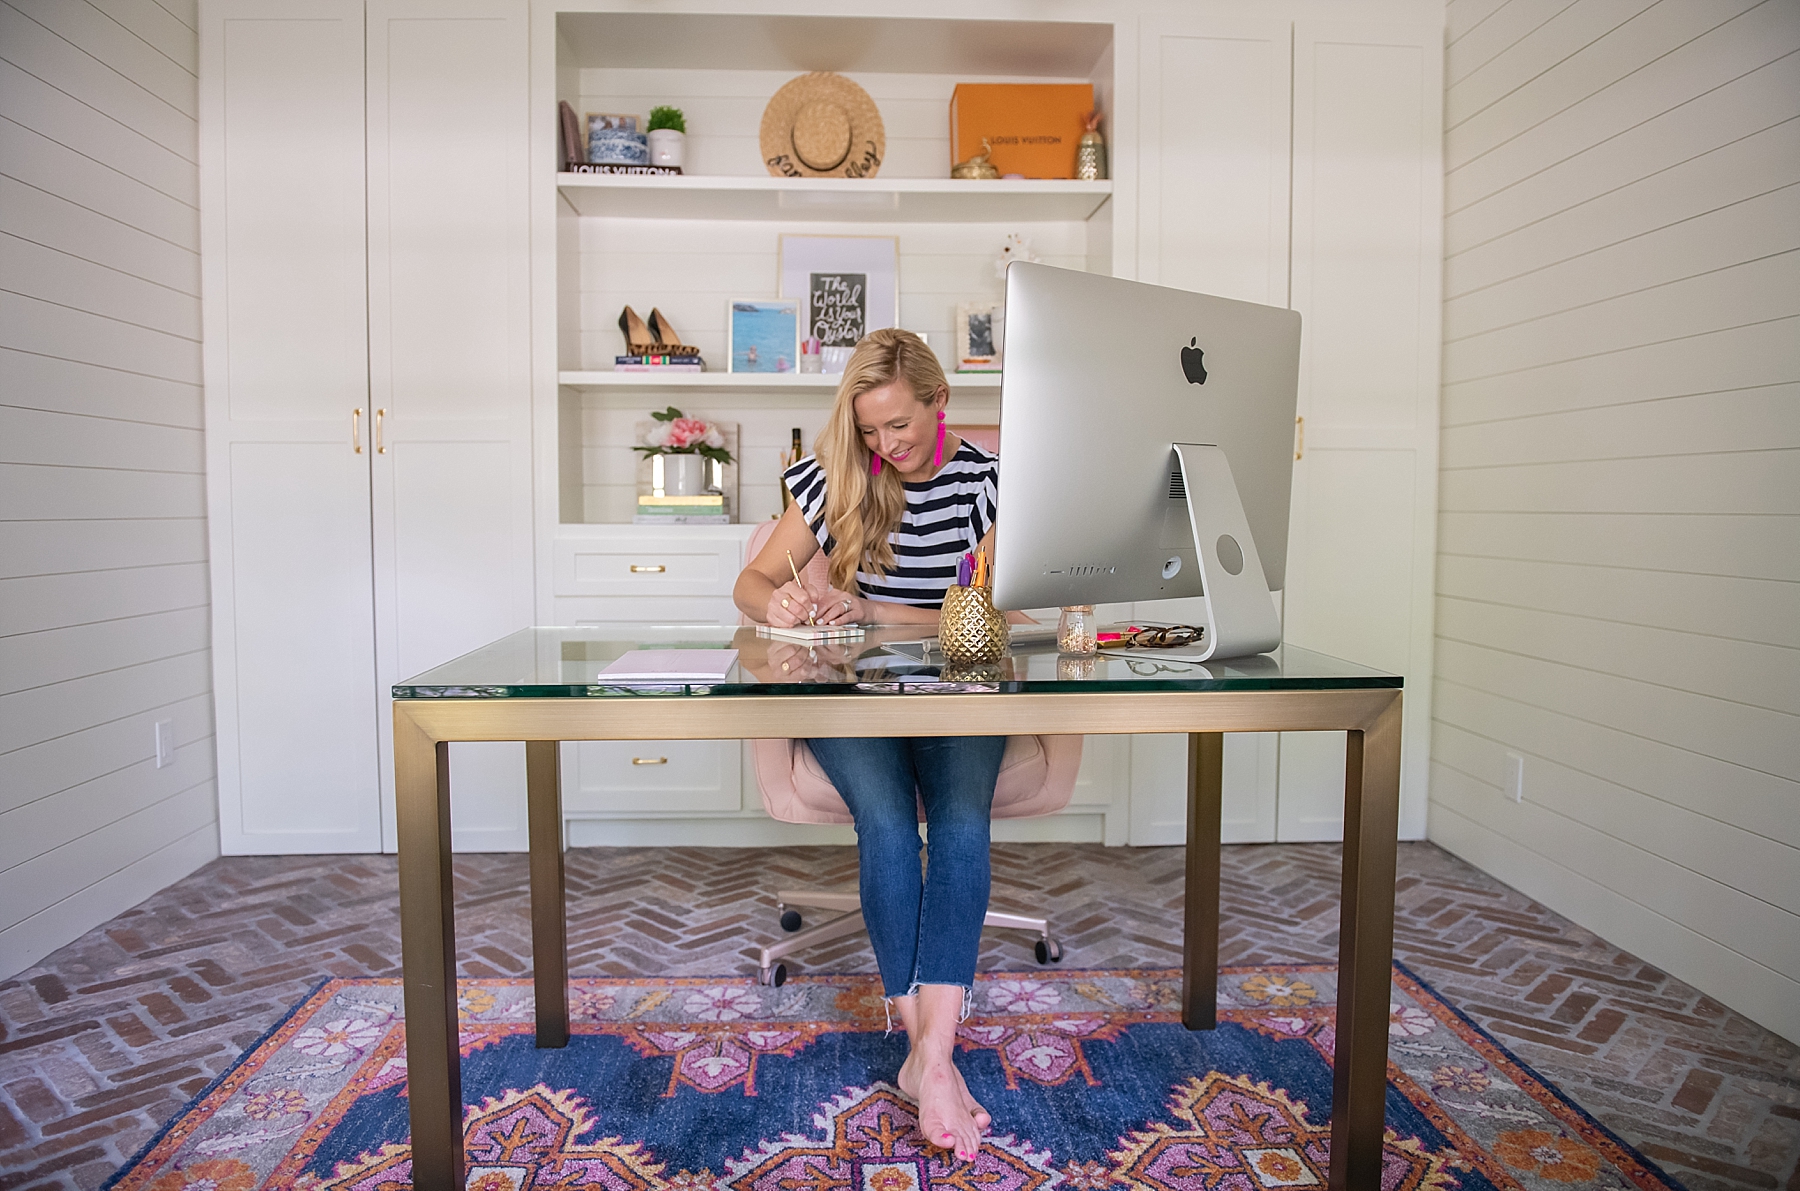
<point>1515,777</point>
<point>165,742</point>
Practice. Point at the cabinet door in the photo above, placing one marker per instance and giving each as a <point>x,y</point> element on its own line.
<point>449,366</point>
<point>281,172</point>
<point>1213,211</point>
<point>1367,217</point>
<point>1213,217</point>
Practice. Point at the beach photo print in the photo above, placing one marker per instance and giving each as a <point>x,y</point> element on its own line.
<point>764,334</point>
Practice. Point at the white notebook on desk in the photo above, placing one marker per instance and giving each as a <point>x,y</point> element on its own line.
<point>812,634</point>
<point>671,665</point>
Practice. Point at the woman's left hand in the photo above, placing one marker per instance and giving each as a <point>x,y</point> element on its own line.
<point>840,607</point>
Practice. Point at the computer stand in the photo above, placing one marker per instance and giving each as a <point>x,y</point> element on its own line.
<point>1240,613</point>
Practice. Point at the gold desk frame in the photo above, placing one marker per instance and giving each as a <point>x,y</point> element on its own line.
<point>424,729</point>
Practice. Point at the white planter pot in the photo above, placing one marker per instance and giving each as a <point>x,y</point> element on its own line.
<point>667,147</point>
<point>684,475</point>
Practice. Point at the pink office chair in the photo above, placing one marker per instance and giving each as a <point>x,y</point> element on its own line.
<point>1037,777</point>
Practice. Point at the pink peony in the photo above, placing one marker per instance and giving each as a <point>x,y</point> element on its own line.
<point>686,432</point>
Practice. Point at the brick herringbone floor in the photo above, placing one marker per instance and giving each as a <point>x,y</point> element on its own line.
<point>112,1034</point>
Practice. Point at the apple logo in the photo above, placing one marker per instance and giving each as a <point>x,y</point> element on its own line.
<point>1193,362</point>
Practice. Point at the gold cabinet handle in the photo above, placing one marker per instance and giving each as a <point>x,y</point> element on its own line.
<point>356,430</point>
<point>1299,437</point>
<point>649,760</point>
<point>638,569</point>
<point>380,448</point>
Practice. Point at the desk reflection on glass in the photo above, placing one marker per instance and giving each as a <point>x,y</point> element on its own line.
<point>887,660</point>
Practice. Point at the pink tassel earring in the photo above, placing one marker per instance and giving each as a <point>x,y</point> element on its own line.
<point>874,464</point>
<point>937,460</point>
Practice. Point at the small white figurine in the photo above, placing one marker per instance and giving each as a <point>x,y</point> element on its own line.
<point>1016,248</point>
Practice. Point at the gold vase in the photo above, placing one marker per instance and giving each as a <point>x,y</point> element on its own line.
<point>969,630</point>
<point>1090,157</point>
<point>972,672</point>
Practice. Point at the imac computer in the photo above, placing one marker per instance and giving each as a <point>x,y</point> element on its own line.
<point>1146,450</point>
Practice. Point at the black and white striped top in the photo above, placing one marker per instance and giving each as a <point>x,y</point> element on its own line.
<point>945,516</point>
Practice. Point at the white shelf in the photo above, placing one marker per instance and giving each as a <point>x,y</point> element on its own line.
<point>743,382</point>
<point>864,200</point>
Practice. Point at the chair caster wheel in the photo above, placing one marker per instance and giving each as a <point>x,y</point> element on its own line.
<point>773,977</point>
<point>790,921</point>
<point>1049,951</point>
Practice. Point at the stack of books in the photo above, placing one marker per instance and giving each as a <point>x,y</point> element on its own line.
<point>606,167</point>
<point>659,363</point>
<point>682,510</point>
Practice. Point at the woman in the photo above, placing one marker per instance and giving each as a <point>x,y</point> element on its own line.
<point>894,500</point>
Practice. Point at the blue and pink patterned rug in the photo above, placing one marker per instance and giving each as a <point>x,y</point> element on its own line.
<point>723,1085</point>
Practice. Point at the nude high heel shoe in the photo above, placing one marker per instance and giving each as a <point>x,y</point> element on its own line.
<point>638,339</point>
<point>667,341</point>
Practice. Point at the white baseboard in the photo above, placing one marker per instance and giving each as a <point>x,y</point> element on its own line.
<point>25,943</point>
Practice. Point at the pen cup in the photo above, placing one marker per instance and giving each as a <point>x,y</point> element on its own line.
<point>969,630</point>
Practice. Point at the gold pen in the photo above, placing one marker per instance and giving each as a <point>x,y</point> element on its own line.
<point>797,583</point>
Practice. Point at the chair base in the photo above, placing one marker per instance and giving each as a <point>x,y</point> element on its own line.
<point>849,921</point>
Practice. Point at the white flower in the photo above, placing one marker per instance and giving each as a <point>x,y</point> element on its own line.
<point>337,1039</point>
<point>658,435</point>
<point>1023,996</point>
<point>1408,1021</point>
<point>721,1004</point>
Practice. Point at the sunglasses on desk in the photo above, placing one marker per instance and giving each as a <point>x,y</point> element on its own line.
<point>1168,636</point>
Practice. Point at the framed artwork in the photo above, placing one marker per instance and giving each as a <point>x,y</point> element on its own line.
<point>605,122</point>
<point>763,334</point>
<point>847,286</point>
<point>980,336</point>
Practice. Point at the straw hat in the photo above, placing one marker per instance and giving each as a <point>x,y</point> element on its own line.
<point>822,125</point>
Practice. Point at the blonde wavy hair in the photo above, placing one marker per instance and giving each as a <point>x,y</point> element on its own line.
<point>861,510</point>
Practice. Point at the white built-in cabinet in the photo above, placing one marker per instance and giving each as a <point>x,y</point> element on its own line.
<point>384,231</point>
<point>365,238</point>
<point>1298,163</point>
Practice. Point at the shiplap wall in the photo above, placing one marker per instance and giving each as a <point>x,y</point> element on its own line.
<point>1619,545</point>
<point>103,581</point>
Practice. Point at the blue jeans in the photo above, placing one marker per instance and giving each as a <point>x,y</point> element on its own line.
<point>925,930</point>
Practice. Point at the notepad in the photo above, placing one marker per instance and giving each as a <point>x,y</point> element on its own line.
<point>812,634</point>
<point>671,665</point>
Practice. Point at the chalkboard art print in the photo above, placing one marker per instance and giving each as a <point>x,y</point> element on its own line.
<point>848,286</point>
<point>837,308</point>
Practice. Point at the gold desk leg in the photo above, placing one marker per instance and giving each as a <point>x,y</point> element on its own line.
<point>549,935</point>
<point>1365,951</point>
<point>428,956</point>
<point>1200,926</point>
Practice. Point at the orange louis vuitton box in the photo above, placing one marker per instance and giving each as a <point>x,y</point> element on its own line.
<point>1032,127</point>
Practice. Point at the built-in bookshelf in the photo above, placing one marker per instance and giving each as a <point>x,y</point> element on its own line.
<point>741,384</point>
<point>869,200</point>
<point>689,244</point>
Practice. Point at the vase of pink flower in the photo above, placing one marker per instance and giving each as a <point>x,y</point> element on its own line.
<point>688,446</point>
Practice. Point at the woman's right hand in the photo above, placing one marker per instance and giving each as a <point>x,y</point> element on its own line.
<point>810,663</point>
<point>789,605</point>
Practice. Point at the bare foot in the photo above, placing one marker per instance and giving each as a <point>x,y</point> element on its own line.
<point>908,1081</point>
<point>972,1105</point>
<point>944,1117</point>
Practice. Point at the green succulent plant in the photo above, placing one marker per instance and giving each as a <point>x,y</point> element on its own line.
<point>663,116</point>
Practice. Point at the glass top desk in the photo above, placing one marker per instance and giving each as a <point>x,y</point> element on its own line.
<point>544,685</point>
